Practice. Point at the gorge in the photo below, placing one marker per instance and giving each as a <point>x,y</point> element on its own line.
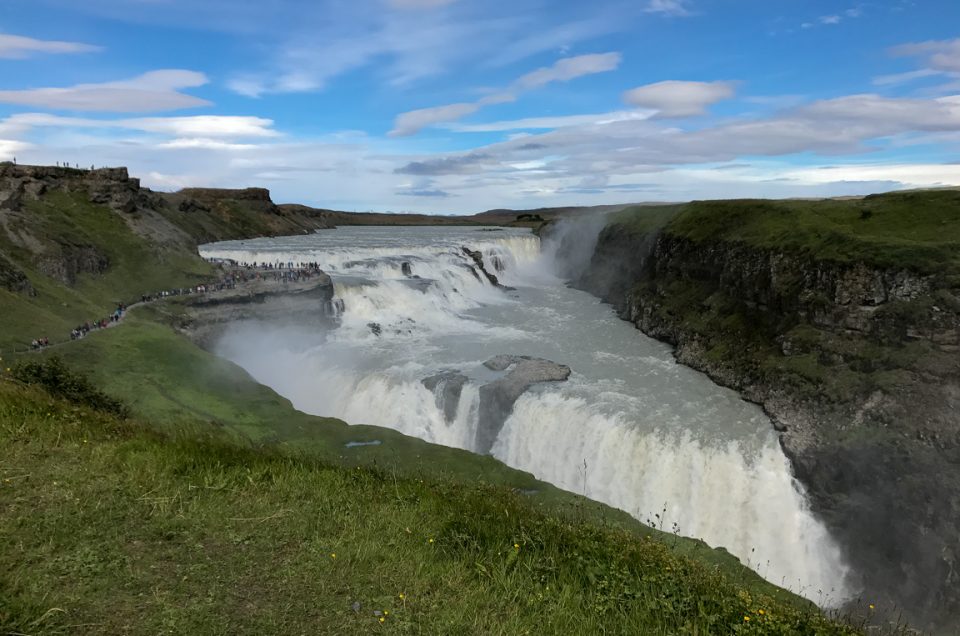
<point>414,349</point>
<point>837,320</point>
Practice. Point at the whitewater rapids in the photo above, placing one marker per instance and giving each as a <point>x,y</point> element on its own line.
<point>630,428</point>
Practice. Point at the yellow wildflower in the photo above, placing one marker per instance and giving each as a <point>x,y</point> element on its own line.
<point>402,596</point>
<point>761,612</point>
<point>333,555</point>
<point>381,619</point>
<point>871,606</point>
<point>386,612</point>
<point>746,619</point>
<point>431,539</point>
<point>516,546</point>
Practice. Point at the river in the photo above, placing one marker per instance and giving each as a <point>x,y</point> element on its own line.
<point>631,427</point>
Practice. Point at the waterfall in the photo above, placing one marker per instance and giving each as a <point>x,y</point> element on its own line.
<point>630,428</point>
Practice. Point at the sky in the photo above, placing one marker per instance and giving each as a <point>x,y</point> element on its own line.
<point>457,106</point>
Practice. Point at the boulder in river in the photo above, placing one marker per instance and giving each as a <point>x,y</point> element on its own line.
<point>498,397</point>
<point>446,388</point>
<point>477,257</point>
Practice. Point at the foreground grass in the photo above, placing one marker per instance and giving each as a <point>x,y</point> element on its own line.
<point>108,528</point>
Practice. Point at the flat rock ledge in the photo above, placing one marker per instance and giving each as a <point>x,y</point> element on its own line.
<point>498,397</point>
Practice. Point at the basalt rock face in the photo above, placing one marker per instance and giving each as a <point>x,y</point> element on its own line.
<point>858,367</point>
<point>498,397</point>
<point>301,304</point>
<point>479,267</point>
<point>112,187</point>
<point>13,279</point>
<point>447,388</point>
<point>261,195</point>
<point>69,261</point>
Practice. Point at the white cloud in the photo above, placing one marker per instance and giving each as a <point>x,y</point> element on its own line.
<point>199,143</point>
<point>10,147</point>
<point>16,47</point>
<point>201,126</point>
<point>246,86</point>
<point>834,18</point>
<point>668,7</point>
<point>543,123</point>
<point>151,92</point>
<point>849,125</point>
<point>570,68</point>
<point>679,99</point>
<point>414,121</point>
<point>331,38</point>
<point>917,175</point>
<point>903,78</point>
<point>207,125</point>
<point>941,55</point>
<point>563,70</point>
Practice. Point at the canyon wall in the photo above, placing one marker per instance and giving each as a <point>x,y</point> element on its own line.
<point>857,361</point>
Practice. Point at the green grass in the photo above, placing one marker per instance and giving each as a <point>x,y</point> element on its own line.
<point>108,528</point>
<point>913,230</point>
<point>645,219</point>
<point>136,266</point>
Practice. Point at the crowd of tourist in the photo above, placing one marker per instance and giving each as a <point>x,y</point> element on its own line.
<point>103,323</point>
<point>237,275</point>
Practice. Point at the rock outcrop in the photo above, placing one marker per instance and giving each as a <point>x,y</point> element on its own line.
<point>446,388</point>
<point>479,267</point>
<point>13,279</point>
<point>856,364</point>
<point>302,304</point>
<point>498,397</point>
<point>112,187</point>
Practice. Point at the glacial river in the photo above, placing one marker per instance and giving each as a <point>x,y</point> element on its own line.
<point>631,427</point>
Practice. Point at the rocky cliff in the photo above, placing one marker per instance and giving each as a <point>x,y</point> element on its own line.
<point>849,338</point>
<point>75,242</point>
<point>302,304</point>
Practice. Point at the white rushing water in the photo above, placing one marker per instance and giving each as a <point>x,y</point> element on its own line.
<point>630,428</point>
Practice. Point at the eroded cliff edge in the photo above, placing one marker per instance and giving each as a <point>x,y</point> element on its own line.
<point>842,319</point>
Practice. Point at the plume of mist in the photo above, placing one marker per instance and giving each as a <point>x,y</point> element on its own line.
<point>571,242</point>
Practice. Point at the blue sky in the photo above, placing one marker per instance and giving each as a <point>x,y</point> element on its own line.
<point>456,106</point>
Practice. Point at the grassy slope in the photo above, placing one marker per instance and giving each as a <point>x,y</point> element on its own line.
<point>106,528</point>
<point>136,267</point>
<point>916,230</point>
